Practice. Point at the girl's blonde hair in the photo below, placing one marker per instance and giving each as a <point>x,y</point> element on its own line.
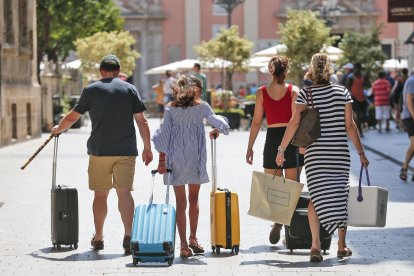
<point>277,66</point>
<point>185,90</point>
<point>320,69</point>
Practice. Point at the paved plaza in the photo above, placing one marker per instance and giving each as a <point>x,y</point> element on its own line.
<point>25,245</point>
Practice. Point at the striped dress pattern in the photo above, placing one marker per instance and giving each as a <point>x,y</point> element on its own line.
<point>327,160</point>
<point>182,137</point>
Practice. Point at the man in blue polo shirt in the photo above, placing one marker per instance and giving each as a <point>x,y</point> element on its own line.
<point>407,116</point>
<point>113,105</point>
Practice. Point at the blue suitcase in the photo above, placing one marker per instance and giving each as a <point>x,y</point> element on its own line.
<point>153,230</point>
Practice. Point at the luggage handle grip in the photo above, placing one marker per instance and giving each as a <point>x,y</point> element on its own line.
<point>167,196</point>
<point>360,197</point>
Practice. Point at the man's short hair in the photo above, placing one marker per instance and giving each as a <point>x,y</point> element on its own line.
<point>382,74</point>
<point>197,65</point>
<point>110,63</point>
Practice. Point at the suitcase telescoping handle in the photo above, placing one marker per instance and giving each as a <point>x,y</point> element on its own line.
<point>360,198</point>
<point>54,162</point>
<point>167,197</point>
<point>214,162</point>
<point>37,152</point>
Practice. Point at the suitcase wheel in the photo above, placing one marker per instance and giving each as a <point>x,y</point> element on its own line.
<point>291,250</point>
<point>58,246</point>
<point>218,250</point>
<point>135,261</point>
<point>170,261</point>
<point>75,246</point>
<point>236,249</point>
<point>324,251</point>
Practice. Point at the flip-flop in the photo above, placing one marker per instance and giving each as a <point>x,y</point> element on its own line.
<point>316,256</point>
<point>344,253</point>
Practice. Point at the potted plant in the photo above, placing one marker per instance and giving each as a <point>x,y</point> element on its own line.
<point>226,105</point>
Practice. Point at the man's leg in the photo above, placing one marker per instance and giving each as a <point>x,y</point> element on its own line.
<point>100,210</point>
<point>126,208</point>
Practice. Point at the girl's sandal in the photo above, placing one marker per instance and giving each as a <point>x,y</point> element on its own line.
<point>403,174</point>
<point>344,253</point>
<point>185,251</point>
<point>195,246</point>
<point>316,256</point>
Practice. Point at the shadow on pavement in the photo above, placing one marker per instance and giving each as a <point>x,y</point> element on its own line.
<point>52,254</point>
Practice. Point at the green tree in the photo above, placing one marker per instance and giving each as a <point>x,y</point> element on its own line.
<point>304,34</point>
<point>61,22</point>
<point>364,49</point>
<point>91,49</point>
<point>229,47</point>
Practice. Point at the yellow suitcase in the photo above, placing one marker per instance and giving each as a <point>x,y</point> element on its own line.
<point>224,214</point>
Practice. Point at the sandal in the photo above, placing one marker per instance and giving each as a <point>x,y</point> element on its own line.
<point>344,253</point>
<point>97,245</point>
<point>316,256</point>
<point>185,251</point>
<point>403,174</point>
<point>195,246</point>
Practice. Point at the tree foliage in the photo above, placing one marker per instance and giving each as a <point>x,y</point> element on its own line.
<point>61,22</point>
<point>91,49</point>
<point>364,49</point>
<point>228,46</point>
<point>304,34</point>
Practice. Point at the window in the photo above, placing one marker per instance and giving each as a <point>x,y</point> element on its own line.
<point>23,26</point>
<point>8,21</point>
<point>14,121</point>
<point>387,49</point>
<point>218,10</point>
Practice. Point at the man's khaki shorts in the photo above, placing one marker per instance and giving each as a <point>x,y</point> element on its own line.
<point>107,172</point>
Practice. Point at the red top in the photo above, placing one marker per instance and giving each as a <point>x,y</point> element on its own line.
<point>381,91</point>
<point>278,111</point>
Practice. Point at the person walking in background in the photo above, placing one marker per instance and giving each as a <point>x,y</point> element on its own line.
<point>159,91</point>
<point>381,89</point>
<point>355,83</point>
<point>396,96</point>
<point>347,71</point>
<point>203,79</point>
<point>113,105</point>
<point>277,100</point>
<point>327,160</point>
<point>168,92</point>
<point>181,144</point>
<point>407,116</point>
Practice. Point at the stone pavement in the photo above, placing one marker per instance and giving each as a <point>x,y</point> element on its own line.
<point>25,246</point>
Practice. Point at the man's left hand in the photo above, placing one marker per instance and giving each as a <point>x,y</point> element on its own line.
<point>146,156</point>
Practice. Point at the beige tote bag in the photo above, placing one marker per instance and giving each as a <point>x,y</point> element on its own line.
<point>273,198</point>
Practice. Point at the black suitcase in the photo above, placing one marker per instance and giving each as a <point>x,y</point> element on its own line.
<point>298,234</point>
<point>65,216</point>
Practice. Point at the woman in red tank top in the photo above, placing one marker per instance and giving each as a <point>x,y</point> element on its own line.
<point>277,100</point>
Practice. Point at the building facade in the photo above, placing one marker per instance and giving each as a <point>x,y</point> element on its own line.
<point>20,107</point>
<point>167,31</point>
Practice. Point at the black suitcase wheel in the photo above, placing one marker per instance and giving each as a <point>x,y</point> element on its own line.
<point>291,251</point>
<point>236,249</point>
<point>58,246</point>
<point>134,261</point>
<point>218,250</point>
<point>75,246</point>
<point>170,261</point>
<point>324,251</point>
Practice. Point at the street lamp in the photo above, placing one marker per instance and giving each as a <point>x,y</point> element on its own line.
<point>228,5</point>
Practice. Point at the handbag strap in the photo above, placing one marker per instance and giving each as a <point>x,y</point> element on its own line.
<point>279,168</point>
<point>360,197</point>
<point>309,98</point>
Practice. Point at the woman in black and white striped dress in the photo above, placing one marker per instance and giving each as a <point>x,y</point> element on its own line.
<point>327,160</point>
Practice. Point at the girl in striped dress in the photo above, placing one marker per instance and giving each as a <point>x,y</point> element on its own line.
<point>327,160</point>
<point>181,144</point>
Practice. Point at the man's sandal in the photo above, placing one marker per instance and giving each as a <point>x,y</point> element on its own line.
<point>185,251</point>
<point>195,246</point>
<point>403,174</point>
<point>344,253</point>
<point>316,256</point>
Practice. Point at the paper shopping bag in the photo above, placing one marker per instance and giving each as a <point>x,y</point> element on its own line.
<point>273,198</point>
<point>367,205</point>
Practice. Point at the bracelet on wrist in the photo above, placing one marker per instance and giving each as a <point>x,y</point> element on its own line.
<point>161,159</point>
<point>361,153</point>
<point>280,148</point>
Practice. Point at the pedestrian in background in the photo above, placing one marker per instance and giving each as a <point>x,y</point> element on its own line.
<point>407,116</point>
<point>277,100</point>
<point>203,79</point>
<point>181,144</point>
<point>381,90</point>
<point>168,92</point>
<point>396,96</point>
<point>159,91</point>
<point>113,106</point>
<point>355,84</point>
<point>327,160</point>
